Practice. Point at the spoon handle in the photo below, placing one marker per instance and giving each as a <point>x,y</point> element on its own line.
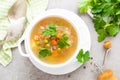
<point>105,55</point>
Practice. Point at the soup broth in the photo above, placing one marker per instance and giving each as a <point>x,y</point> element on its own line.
<point>53,40</point>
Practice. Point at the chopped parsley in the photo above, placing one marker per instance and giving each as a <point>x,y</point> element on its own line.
<point>51,31</point>
<point>63,41</point>
<point>44,52</point>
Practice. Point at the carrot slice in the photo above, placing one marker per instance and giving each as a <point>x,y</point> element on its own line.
<point>59,35</point>
<point>42,37</point>
<point>54,53</point>
<point>53,42</point>
<point>43,23</point>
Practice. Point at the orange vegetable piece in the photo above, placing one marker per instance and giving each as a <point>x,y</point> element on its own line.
<point>53,42</point>
<point>54,53</point>
<point>107,75</point>
<point>42,37</point>
<point>37,37</point>
<point>43,23</point>
<point>59,35</point>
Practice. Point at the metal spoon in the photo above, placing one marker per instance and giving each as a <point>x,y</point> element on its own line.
<point>16,16</point>
<point>18,10</point>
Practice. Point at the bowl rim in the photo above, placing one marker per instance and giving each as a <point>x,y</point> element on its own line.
<point>46,14</point>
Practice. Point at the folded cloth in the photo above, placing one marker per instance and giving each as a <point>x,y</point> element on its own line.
<point>34,9</point>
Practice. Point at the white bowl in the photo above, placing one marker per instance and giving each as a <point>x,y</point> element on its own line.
<point>83,42</point>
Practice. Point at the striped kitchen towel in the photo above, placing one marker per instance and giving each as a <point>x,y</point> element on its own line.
<point>34,8</point>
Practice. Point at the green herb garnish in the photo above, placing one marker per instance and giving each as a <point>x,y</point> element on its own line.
<point>106,16</point>
<point>59,42</point>
<point>83,57</point>
<point>63,41</point>
<point>44,52</point>
<point>52,26</point>
<point>51,31</point>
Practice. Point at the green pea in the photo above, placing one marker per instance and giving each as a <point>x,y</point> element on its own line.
<point>48,45</point>
<point>38,42</point>
<point>46,41</point>
<point>59,49</point>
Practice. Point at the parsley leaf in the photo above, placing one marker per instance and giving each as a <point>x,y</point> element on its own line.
<point>83,57</point>
<point>102,35</point>
<point>52,26</point>
<point>51,31</point>
<point>106,16</point>
<point>99,23</point>
<point>44,52</point>
<point>113,29</point>
<point>84,5</point>
<point>63,41</point>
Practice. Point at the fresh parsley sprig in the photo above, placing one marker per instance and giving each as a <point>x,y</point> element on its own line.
<point>83,57</point>
<point>106,16</point>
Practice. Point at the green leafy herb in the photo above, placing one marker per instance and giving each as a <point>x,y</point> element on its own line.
<point>102,35</point>
<point>44,52</point>
<point>84,5</point>
<point>52,26</point>
<point>63,41</point>
<point>51,31</point>
<point>106,16</point>
<point>83,57</point>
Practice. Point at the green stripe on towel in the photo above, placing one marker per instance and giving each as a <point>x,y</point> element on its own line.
<point>35,8</point>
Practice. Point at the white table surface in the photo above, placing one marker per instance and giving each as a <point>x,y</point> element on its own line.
<point>22,69</point>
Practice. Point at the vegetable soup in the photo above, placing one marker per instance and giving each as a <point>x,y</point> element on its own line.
<point>53,40</point>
